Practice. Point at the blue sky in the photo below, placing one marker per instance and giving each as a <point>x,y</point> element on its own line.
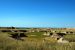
<point>37,13</point>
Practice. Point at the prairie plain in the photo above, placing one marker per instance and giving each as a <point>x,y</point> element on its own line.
<point>12,38</point>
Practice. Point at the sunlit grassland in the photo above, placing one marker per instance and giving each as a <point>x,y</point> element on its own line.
<point>34,43</point>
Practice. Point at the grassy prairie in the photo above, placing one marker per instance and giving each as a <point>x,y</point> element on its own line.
<point>34,42</point>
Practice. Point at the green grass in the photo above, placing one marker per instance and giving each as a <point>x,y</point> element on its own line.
<point>70,37</point>
<point>36,34</point>
<point>34,42</point>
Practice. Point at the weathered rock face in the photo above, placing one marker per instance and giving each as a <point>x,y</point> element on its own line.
<point>51,33</point>
<point>18,36</point>
<point>61,34</point>
<point>62,41</point>
<point>5,30</point>
<point>57,36</point>
<point>12,30</point>
<point>22,30</point>
<point>46,34</point>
